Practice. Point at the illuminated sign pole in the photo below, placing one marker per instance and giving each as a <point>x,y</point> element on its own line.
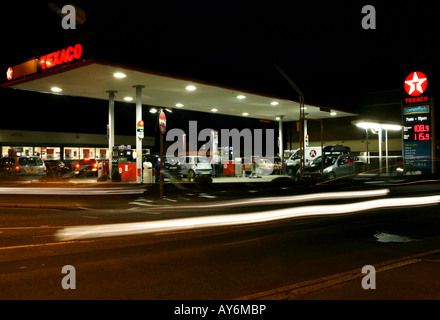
<point>162,129</point>
<point>280,135</point>
<point>433,144</point>
<point>138,136</point>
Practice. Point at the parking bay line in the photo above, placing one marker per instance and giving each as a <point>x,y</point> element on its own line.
<point>309,286</point>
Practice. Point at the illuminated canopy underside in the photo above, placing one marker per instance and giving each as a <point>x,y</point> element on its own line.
<point>92,79</point>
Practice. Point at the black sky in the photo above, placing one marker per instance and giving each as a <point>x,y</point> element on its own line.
<point>322,47</point>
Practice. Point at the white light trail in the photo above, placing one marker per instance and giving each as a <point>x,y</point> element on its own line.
<point>288,199</point>
<point>108,230</point>
<point>70,191</point>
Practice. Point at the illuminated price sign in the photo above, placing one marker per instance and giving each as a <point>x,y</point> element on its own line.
<point>422,132</point>
<point>417,123</point>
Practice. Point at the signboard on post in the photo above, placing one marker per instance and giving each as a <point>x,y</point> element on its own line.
<point>162,122</point>
<point>417,121</point>
<point>140,129</point>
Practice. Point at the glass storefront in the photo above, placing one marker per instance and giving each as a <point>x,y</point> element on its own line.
<point>57,153</point>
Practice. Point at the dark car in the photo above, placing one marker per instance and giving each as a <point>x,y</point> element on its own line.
<point>57,168</point>
<point>172,167</point>
<point>277,165</point>
<point>86,167</point>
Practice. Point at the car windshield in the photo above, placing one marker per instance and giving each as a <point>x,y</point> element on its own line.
<point>329,161</point>
<point>317,161</point>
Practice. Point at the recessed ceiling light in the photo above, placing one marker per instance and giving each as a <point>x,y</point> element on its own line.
<point>333,113</point>
<point>277,118</point>
<point>245,114</point>
<point>274,103</point>
<point>128,99</point>
<point>214,110</point>
<point>241,97</point>
<point>153,110</point>
<point>56,89</point>
<point>191,88</point>
<point>119,75</point>
<point>179,105</point>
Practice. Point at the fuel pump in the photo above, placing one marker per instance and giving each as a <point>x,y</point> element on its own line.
<point>124,160</point>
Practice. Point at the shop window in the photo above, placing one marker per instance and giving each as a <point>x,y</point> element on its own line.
<point>103,154</point>
<point>38,152</point>
<point>13,151</point>
<point>87,153</point>
<point>51,153</point>
<point>28,151</point>
<point>71,153</point>
<point>5,151</point>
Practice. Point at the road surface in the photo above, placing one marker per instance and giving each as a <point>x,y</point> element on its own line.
<point>266,259</point>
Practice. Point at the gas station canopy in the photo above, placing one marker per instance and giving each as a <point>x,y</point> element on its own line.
<point>93,78</point>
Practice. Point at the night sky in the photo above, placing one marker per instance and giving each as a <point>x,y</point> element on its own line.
<point>322,46</point>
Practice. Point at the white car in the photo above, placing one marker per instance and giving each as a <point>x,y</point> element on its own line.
<point>193,166</point>
<point>265,167</point>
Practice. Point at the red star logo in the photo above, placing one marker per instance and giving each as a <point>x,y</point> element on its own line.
<point>10,73</point>
<point>416,83</point>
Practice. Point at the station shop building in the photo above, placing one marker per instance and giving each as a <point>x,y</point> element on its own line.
<point>63,146</point>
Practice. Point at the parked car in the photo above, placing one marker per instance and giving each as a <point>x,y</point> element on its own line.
<point>269,166</point>
<point>171,167</point>
<point>57,168</point>
<point>265,167</point>
<point>86,167</point>
<point>335,166</point>
<point>23,166</point>
<point>312,154</point>
<point>193,166</point>
<point>277,165</point>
